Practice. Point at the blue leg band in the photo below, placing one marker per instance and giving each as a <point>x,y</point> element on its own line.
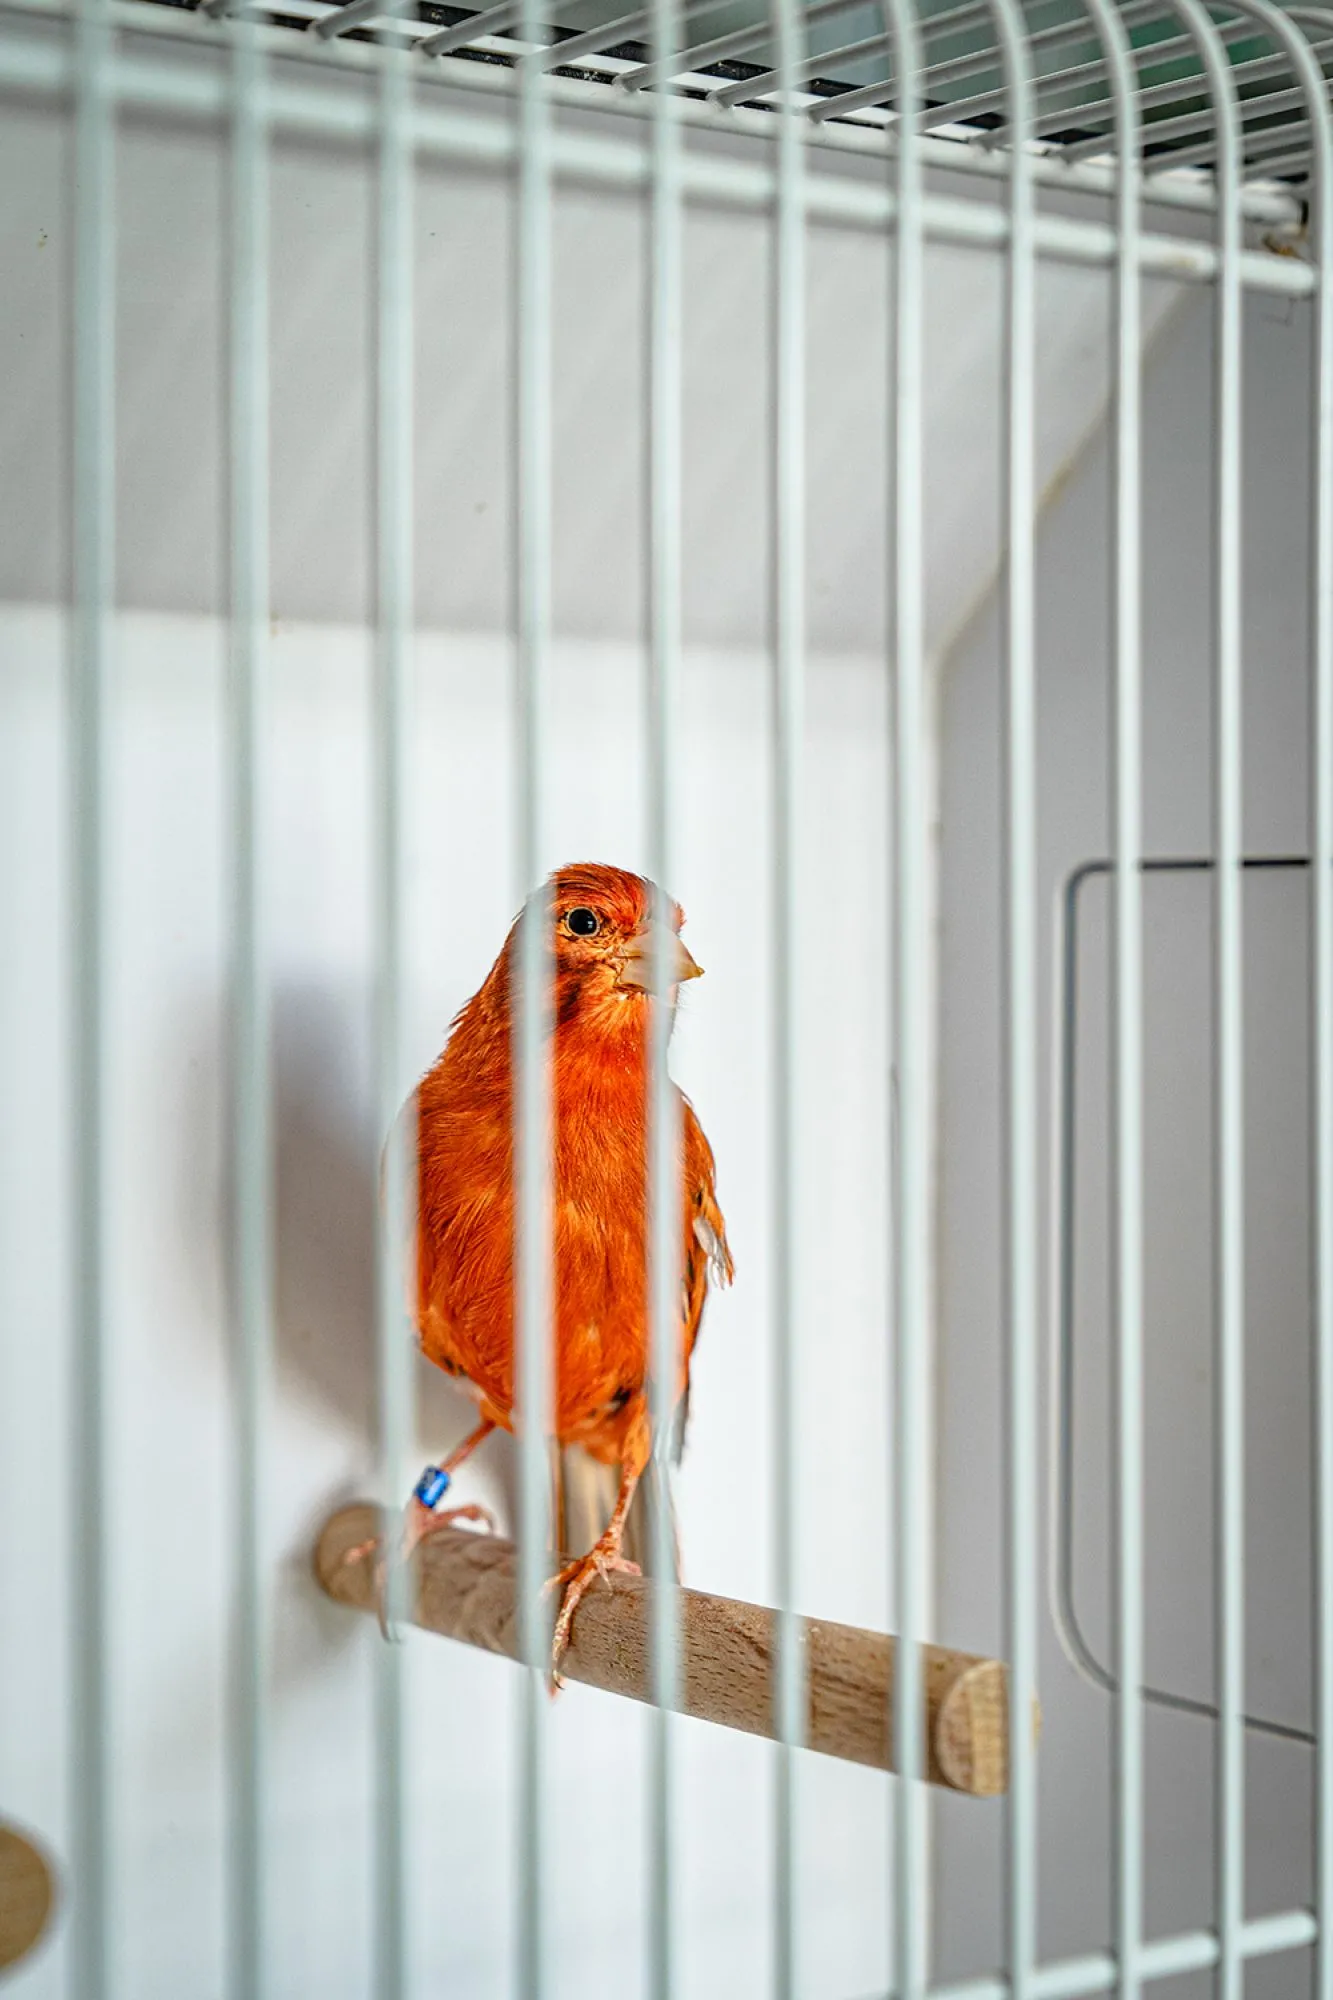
<point>432,1486</point>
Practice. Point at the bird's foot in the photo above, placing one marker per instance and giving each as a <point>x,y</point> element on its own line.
<point>472,1512</point>
<point>375,1547</point>
<point>420,1522</point>
<point>576,1580</point>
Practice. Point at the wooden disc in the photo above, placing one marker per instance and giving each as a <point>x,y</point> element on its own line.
<point>27,1892</point>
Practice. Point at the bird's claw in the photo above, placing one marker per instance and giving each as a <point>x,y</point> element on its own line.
<point>600,1561</point>
<point>576,1579</point>
<point>375,1547</point>
<point>446,1519</point>
<point>418,1526</point>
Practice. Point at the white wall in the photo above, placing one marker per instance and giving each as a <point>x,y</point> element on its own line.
<point>1074,689</point>
<point>171,328</point>
<point>167,1329</point>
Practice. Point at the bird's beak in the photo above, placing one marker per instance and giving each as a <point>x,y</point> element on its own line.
<point>654,947</point>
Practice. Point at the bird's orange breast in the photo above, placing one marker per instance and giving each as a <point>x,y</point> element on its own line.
<point>599,1264</point>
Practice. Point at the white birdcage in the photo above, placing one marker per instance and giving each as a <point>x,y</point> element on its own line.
<point>871,471</point>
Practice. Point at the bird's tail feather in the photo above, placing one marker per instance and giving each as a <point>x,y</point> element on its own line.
<point>585,1497</point>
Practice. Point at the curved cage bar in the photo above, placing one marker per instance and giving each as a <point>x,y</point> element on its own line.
<point>846,86</point>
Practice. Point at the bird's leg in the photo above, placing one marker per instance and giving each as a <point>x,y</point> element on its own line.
<point>420,1518</point>
<point>577,1578</point>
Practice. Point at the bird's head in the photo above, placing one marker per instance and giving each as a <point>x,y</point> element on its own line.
<point>613,939</point>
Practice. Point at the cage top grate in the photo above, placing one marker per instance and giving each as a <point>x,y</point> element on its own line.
<point>728,58</point>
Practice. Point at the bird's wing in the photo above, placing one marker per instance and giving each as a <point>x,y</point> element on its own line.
<point>706,1246</point>
<point>706,1251</point>
<point>585,1490</point>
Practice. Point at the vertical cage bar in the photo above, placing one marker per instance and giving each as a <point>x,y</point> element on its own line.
<point>914,1300</point>
<point>664,1119</point>
<point>534,1026</point>
<point>1229,1030</point>
<point>1229,1057</point>
<point>1230,1186</point>
<point>1321,914</point>
<point>252,1272</point>
<point>1127,1016</point>
<point>1321,875</point>
<point>396,1236</point>
<point>789,619</point>
<point>89,667</point>
<point>1229,1193</point>
<point>1020,1006</point>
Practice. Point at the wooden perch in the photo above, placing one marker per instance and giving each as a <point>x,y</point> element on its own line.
<point>466,1590</point>
<point>27,1893</point>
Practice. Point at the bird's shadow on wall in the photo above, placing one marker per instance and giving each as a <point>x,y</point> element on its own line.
<point>325,1205</point>
<point>326,1147</point>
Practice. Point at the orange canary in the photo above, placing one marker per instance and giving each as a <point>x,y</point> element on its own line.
<point>602,939</point>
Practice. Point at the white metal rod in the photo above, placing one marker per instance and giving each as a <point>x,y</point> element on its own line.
<point>532,1096</point>
<point>1163,1958</point>
<point>877,93</point>
<point>1146,55</point>
<point>1173,91</point>
<point>665,419</point>
<point>609,36</point>
<point>310,106</point>
<point>867,97</point>
<point>1229,1047</point>
<point>801,72</point>
<point>354,14</point>
<point>93,524</point>
<point>1200,154</point>
<point>1191,124</point>
<point>251,1136</point>
<point>1313,92</point>
<point>1204,151</point>
<point>752,187</point>
<point>991,60</point>
<point>396,1234</point>
<point>881,93</point>
<point>1229,1183</point>
<point>554,54</point>
<point>788,852</point>
<point>1019,1165</point>
<point>764,33</point>
<point>1321,816</point>
<point>1127,1030</point>
<point>491,21</point>
<point>1321,911</point>
<point>1128,1062</point>
<point>911,985</point>
<point>1169,93</point>
<point>760,34</point>
<point>1260,166</point>
<point>934,74</point>
<point>686,60</point>
<point>1057,83</point>
<point>1229,1215</point>
<point>817,65</point>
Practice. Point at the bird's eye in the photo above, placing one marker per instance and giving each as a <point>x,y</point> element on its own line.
<point>584,922</point>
